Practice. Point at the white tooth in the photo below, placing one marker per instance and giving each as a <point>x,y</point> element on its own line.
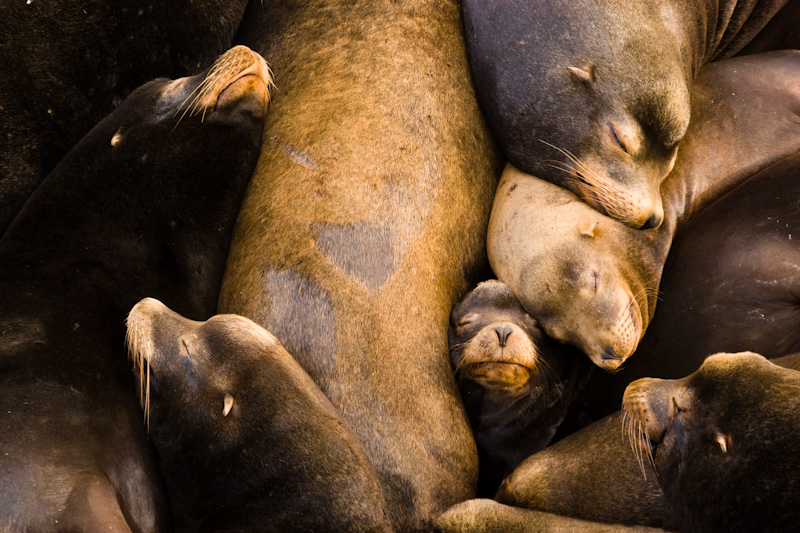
<point>228,404</point>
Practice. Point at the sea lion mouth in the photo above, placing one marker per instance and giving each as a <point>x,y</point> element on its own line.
<point>499,374</point>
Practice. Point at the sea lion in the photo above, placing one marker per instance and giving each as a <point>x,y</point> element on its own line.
<point>486,516</point>
<point>730,284</point>
<point>245,440</point>
<point>591,475</point>
<point>516,382</point>
<point>591,281</point>
<point>144,204</point>
<point>595,96</point>
<point>364,224</point>
<point>66,65</point>
<point>724,442</point>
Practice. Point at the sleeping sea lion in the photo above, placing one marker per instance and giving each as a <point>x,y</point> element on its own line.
<point>144,204</point>
<point>364,224</point>
<point>515,381</point>
<point>593,282</point>
<point>245,440</point>
<point>595,96</point>
<point>724,441</point>
<point>66,65</point>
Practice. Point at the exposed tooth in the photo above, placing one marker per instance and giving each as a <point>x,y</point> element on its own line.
<point>228,404</point>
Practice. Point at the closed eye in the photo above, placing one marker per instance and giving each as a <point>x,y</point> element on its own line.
<point>616,137</point>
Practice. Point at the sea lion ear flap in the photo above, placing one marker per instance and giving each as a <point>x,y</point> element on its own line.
<point>583,74</point>
<point>723,441</point>
<point>589,229</point>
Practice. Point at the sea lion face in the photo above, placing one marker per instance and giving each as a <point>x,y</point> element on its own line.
<point>724,441</point>
<point>582,101</point>
<point>182,363</point>
<point>582,276</point>
<point>492,339</point>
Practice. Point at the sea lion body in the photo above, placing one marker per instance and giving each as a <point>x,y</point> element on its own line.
<point>595,96</point>
<point>591,281</point>
<point>591,475</point>
<point>724,442</point>
<point>246,441</point>
<point>516,383</point>
<point>144,204</point>
<point>66,65</point>
<point>364,224</point>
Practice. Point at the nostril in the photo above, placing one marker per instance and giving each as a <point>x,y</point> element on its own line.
<point>502,334</point>
<point>653,222</point>
<point>609,353</point>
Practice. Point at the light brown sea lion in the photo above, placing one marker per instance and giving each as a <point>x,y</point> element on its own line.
<point>245,440</point>
<point>725,442</point>
<point>591,281</point>
<point>364,223</point>
<point>144,204</point>
<point>595,96</point>
<point>517,383</point>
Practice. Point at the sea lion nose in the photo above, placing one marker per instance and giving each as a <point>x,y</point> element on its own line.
<point>502,334</point>
<point>654,221</point>
<point>609,353</point>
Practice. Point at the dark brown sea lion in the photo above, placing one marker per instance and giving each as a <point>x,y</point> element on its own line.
<point>245,440</point>
<point>725,442</point>
<point>591,475</point>
<point>591,281</point>
<point>488,516</point>
<point>144,204</point>
<point>66,65</point>
<point>364,224</point>
<point>515,381</point>
<point>730,284</point>
<point>595,96</point>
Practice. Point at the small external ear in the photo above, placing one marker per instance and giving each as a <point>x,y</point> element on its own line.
<point>583,74</point>
<point>227,404</point>
<point>589,229</point>
<point>723,441</point>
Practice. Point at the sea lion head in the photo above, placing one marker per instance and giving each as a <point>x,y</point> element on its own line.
<point>724,441</point>
<point>585,102</point>
<point>492,339</point>
<point>228,99</point>
<point>182,362</point>
<point>584,277</point>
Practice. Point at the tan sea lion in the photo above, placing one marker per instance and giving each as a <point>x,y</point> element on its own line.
<point>591,281</point>
<point>725,442</point>
<point>245,440</point>
<point>364,224</point>
<point>595,96</point>
<point>144,204</point>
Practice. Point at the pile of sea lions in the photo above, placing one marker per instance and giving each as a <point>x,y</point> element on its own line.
<point>396,266</point>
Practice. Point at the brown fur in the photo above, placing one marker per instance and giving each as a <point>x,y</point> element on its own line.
<point>363,224</point>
